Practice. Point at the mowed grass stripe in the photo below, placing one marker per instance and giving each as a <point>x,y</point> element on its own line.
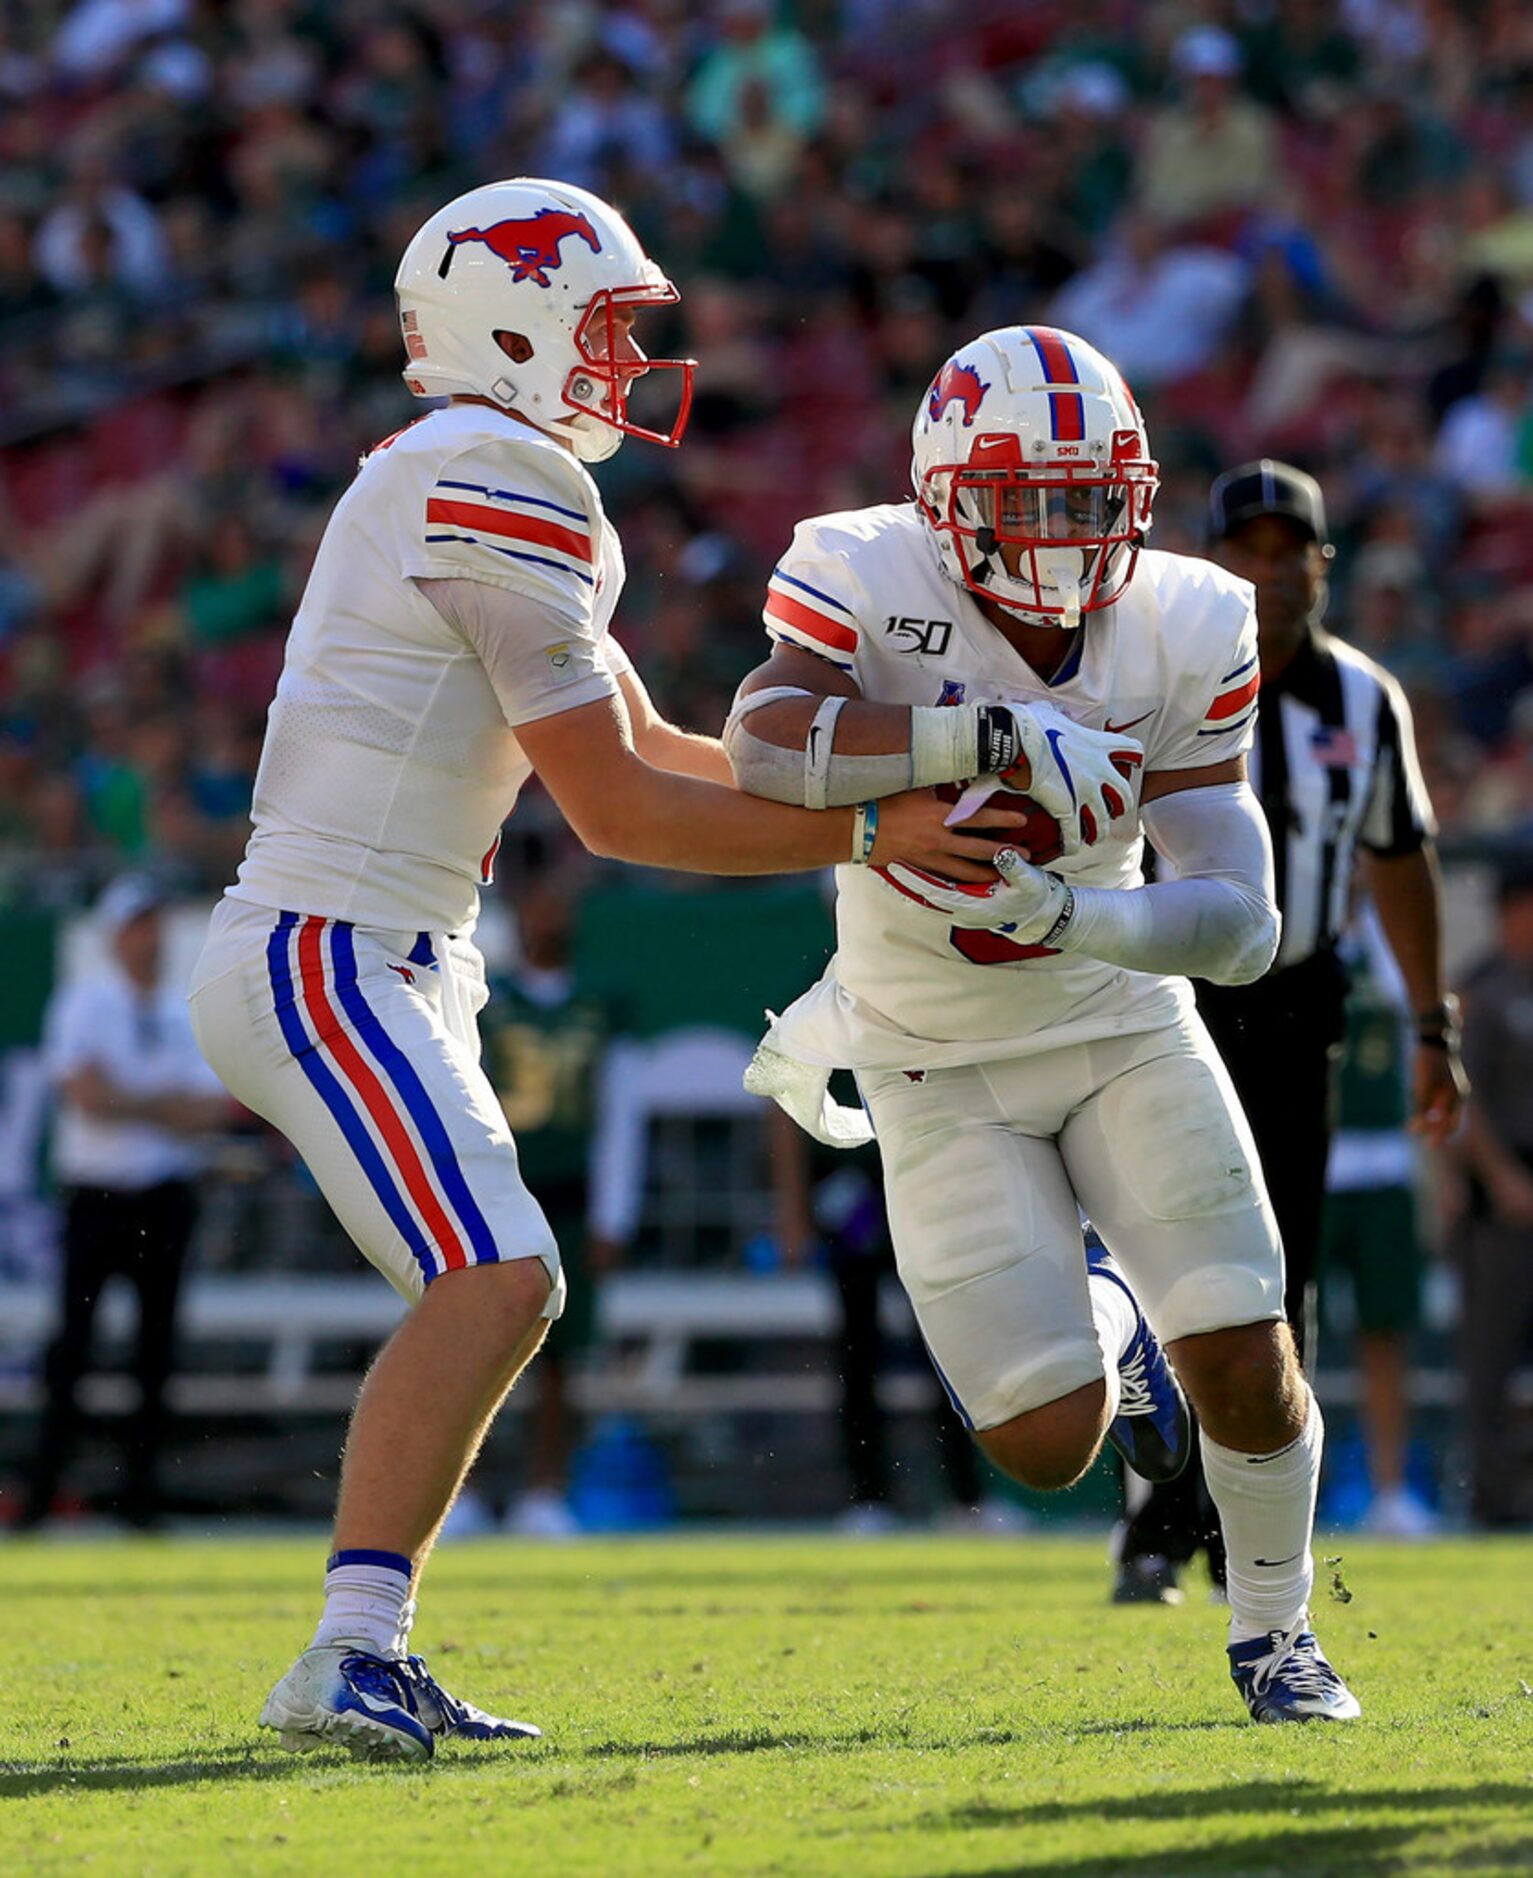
<point>748,1705</point>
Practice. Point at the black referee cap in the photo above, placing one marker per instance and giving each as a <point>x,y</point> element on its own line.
<point>1266,487</point>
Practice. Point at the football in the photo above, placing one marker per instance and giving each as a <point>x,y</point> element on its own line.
<point>1040,840</point>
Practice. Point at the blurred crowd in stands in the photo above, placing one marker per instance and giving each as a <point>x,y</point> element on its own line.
<point>1304,227</point>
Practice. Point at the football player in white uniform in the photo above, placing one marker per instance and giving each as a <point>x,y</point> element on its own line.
<point>1028,1050</point>
<point>453,638</point>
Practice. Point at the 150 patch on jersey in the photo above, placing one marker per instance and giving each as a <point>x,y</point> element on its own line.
<point>929,636</point>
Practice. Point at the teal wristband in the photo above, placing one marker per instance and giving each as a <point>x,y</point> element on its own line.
<point>864,832</point>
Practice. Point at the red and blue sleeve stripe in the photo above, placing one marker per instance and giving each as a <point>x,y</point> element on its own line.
<point>545,533</point>
<point>512,495</point>
<point>794,610</point>
<point>1234,708</point>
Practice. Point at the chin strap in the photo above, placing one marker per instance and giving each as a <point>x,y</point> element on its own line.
<point>1054,566</point>
<point>592,439</point>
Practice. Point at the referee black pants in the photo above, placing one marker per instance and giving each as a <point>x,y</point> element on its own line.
<point>141,1235</point>
<point>1279,1039</point>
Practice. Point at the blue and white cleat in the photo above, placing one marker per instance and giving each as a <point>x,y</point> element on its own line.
<point>447,1716</point>
<point>340,1696</point>
<point>1152,1429</point>
<point>1284,1677</point>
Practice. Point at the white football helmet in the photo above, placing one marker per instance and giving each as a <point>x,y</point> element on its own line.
<point>556,266</point>
<point>1030,440</point>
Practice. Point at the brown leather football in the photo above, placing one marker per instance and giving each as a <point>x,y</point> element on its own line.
<point>1040,840</point>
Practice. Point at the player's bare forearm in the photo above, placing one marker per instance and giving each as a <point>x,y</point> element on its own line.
<point>698,827</point>
<point>685,753</point>
<point>667,746</point>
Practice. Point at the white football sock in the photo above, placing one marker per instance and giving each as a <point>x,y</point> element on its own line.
<point>1266,1505</point>
<point>1116,1320</point>
<point>367,1603</point>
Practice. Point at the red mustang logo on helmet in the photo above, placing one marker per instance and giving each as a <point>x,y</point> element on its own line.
<point>959,384</point>
<point>529,245</point>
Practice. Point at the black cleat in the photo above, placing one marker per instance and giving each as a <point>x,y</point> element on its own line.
<point>1147,1580</point>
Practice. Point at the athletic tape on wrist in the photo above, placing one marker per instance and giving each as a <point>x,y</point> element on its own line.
<point>944,744</point>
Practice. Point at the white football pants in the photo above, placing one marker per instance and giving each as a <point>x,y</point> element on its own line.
<point>988,1168</point>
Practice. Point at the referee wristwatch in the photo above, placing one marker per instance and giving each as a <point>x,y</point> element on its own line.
<point>1438,1027</point>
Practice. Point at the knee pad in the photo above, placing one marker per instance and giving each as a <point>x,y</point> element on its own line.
<point>1219,1297</point>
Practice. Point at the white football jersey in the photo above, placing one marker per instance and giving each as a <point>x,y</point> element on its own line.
<point>1172,664</point>
<point>390,761</point>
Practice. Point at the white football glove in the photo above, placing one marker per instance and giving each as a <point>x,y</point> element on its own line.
<point>1025,903</point>
<point>1086,779</point>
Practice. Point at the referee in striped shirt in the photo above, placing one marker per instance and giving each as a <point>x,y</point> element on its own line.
<point>1335,769</point>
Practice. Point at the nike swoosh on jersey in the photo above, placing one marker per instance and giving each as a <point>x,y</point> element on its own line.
<point>1277,1561</point>
<point>1117,730</point>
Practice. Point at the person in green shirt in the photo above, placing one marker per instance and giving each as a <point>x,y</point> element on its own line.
<point>1370,1230</point>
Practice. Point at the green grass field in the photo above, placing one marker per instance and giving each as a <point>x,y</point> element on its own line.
<point>803,1705</point>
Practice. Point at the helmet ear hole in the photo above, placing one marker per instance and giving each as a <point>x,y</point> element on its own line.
<point>516,346</point>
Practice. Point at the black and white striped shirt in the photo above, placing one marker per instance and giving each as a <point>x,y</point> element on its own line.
<point>1335,768</point>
